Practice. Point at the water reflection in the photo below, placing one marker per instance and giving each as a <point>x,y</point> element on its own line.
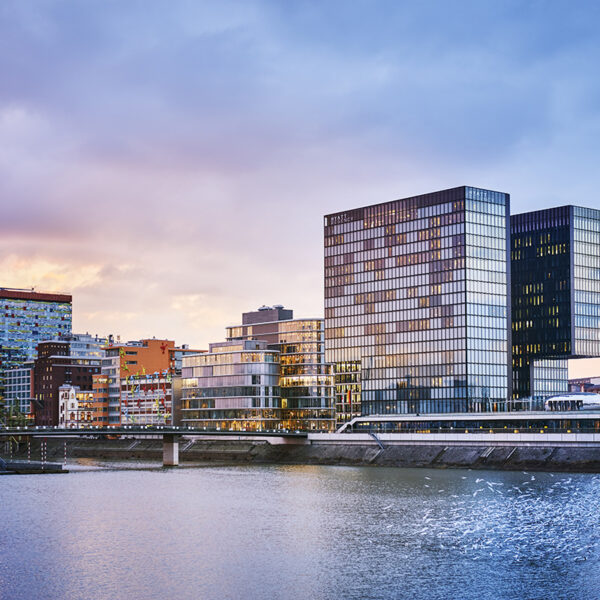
<point>299,532</point>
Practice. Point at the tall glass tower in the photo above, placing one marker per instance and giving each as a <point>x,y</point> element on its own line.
<point>416,304</point>
<point>555,263</point>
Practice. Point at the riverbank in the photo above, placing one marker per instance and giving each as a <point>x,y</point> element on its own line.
<point>233,451</point>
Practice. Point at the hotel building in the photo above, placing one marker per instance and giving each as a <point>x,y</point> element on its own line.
<point>555,263</point>
<point>416,311</point>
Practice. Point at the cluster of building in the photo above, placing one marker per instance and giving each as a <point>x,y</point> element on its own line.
<point>447,303</point>
<point>269,373</point>
<point>440,303</point>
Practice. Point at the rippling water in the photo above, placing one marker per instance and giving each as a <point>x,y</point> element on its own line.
<point>299,532</point>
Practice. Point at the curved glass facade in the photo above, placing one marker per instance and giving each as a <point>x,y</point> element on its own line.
<point>235,386</point>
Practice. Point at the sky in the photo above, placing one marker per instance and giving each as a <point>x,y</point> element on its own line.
<point>169,163</point>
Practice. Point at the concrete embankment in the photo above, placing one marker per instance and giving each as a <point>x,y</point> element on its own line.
<point>234,451</point>
<point>23,467</point>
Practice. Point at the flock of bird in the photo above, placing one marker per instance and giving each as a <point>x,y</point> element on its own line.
<point>538,519</point>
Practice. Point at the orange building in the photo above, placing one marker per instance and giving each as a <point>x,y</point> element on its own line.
<point>122,362</point>
<point>100,400</point>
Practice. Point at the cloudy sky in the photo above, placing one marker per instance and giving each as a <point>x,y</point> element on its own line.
<point>169,163</point>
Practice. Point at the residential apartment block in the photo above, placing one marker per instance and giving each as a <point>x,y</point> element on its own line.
<point>134,359</point>
<point>53,368</point>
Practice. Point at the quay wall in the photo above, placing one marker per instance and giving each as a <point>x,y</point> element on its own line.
<point>353,450</point>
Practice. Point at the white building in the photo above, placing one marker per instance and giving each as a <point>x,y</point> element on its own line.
<point>75,407</point>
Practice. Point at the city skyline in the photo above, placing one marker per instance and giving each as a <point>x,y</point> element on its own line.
<point>148,151</point>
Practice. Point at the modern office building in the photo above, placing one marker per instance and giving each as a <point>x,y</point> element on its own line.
<point>235,386</point>
<point>416,311</point>
<point>555,263</point>
<point>306,381</point>
<point>26,318</point>
<point>84,345</point>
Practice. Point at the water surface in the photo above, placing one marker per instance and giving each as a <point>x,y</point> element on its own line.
<point>300,532</point>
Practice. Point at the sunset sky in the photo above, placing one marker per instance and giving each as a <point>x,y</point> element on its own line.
<point>169,163</point>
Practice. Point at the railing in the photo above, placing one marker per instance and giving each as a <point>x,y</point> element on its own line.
<point>132,429</point>
<point>448,430</point>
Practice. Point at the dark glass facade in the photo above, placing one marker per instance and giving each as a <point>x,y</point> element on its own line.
<point>555,264</point>
<point>416,313</point>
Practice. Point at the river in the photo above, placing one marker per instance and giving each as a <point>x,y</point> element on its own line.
<point>108,531</point>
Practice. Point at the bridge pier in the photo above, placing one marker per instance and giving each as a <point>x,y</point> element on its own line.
<point>170,450</point>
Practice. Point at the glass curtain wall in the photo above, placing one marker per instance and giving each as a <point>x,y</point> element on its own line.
<point>412,289</point>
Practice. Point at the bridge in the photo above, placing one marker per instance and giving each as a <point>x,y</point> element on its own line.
<point>169,434</point>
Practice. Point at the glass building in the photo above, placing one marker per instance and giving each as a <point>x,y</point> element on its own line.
<point>306,382</point>
<point>555,264</point>
<point>28,317</point>
<point>416,311</point>
<point>234,386</point>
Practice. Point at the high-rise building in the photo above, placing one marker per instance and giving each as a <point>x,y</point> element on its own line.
<point>26,318</point>
<point>306,382</point>
<point>555,263</point>
<point>416,304</point>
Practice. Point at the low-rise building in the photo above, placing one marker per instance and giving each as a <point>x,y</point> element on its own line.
<point>123,361</point>
<point>18,389</point>
<point>75,407</point>
<point>306,380</point>
<point>585,384</point>
<point>149,399</point>
<point>235,386</point>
